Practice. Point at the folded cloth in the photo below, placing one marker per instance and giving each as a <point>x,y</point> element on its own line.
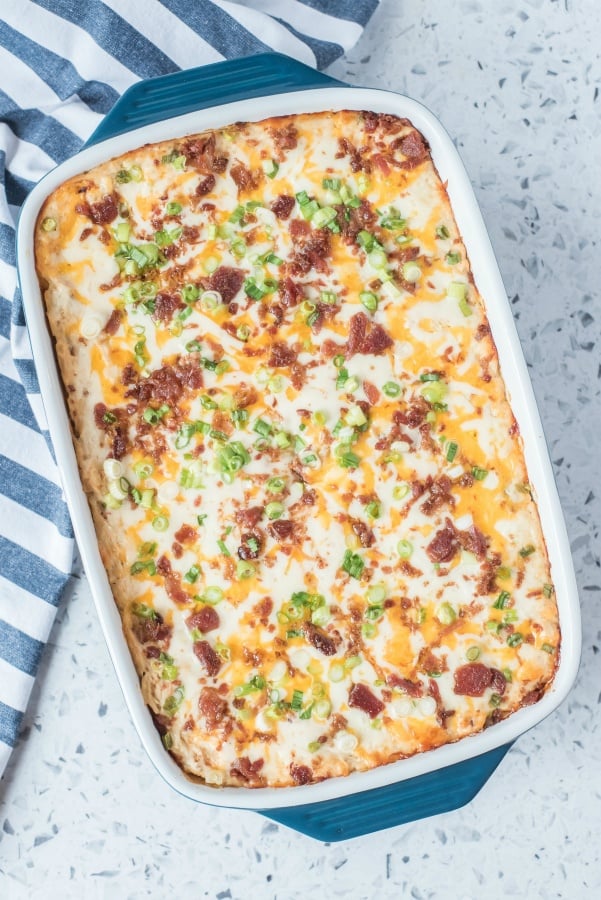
<point>65,64</point>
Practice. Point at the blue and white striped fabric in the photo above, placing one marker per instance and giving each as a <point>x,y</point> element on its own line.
<point>64,65</point>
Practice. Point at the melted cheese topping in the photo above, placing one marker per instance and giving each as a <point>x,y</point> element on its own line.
<point>307,482</point>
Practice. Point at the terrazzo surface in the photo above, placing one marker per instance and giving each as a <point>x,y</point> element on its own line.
<point>83,813</point>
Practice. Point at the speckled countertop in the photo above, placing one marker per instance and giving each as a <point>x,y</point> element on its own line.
<point>83,813</point>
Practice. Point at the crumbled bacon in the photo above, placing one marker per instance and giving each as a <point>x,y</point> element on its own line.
<point>301,774</point>
<point>227,280</point>
<point>205,619</point>
<point>165,305</point>
<point>352,221</point>
<point>412,688</point>
<point>281,355</point>
<point>186,534</point>
<point>361,697</point>
<point>319,639</point>
<point>113,323</point>
<point>363,532</point>
<point>210,660</point>
<point>212,707</point>
<point>283,205</point>
<point>201,154</point>
<point>205,185</point>
<point>312,252</point>
<point>281,529</point>
<point>474,541</point>
<point>413,147</point>
<point>101,213</point>
<point>366,337</point>
<point>291,293</point>
<point>439,495</point>
<point>245,395</point>
<point>250,517</point>
<point>472,679</point>
<point>247,770</point>
<point>285,138</point>
<point>244,178</point>
<point>251,545</point>
<point>445,544</point>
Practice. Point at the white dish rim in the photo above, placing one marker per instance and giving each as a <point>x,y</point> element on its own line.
<point>488,279</point>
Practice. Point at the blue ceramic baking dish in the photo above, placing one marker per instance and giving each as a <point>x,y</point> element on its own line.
<point>254,88</point>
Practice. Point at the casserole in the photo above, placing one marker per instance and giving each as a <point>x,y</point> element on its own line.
<point>488,281</point>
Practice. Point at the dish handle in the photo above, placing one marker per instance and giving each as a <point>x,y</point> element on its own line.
<point>426,795</point>
<point>189,90</point>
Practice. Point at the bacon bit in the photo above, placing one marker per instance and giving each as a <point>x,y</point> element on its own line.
<point>208,657</point>
<point>346,148</point>
<point>119,444</point>
<point>482,331</point>
<point>414,149</point>
<point>281,355</point>
<point>371,392</point>
<point>227,281</point>
<point>414,415</point>
<point>250,517</point>
<point>185,534</point>
<point>440,494</point>
<point>445,544</point>
<point>152,652</point>
<point>298,229</point>
<point>360,218</point>
<point>281,529</point>
<point>413,688</point>
<point>472,679</point>
<point>366,337</point>
<point>212,707</point>
<point>206,619</point>
<point>205,186</point>
<point>474,541</point>
<point>301,774</point>
<point>428,662</point>
<point>290,292</point>
<point>164,307</point>
<point>190,234</point>
<point>263,608</point>
<point>381,163</point>
<point>244,178</point>
<point>361,697</point>
<point>100,410</point>
<point>247,770</point>
<point>319,639</point>
<point>487,582</point>
<point>245,395</point>
<point>222,422</point>
<point>285,138</point>
<point>161,723</point>
<point>532,696</point>
<point>155,630</point>
<point>330,348</point>
<point>178,550</point>
<point>174,589</point>
<point>248,541</point>
<point>201,153</point>
<point>283,205</point>
<point>101,213</point>
<point>312,252</point>
<point>86,233</point>
<point>363,532</point>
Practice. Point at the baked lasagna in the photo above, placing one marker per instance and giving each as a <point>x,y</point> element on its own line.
<point>307,482</point>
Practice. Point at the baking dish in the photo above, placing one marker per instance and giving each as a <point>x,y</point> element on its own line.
<point>430,782</point>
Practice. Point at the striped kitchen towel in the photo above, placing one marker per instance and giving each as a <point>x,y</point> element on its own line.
<point>64,65</point>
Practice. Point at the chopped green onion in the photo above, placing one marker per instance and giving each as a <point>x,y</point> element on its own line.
<point>510,617</point>
<point>391,389</point>
<point>400,490</point>
<point>352,564</point>
<point>297,700</point>
<point>442,232</point>
<point>263,428</point>
<point>282,440</point>
<point>430,376</point>
<point>147,565</point>
<point>515,639</point>
<point>331,184</point>
<point>336,672</point>
<point>373,509</point>
<point>223,547</point>
<point>548,648</point>
<point>328,297</point>
<point>276,485</point>
<point>274,510</point>
<point>528,550</point>
<point>322,217</point>
<point>411,272</point>
<point>192,574</point>
<point>160,523</point>
<point>270,167</point>
<point>142,611</point>
<point>351,384</point>
<point>548,590</point>
<point>452,449</point>
<point>493,626</point>
<point>369,300</point>
<point>244,569</point>
<point>212,595</point>
<point>453,258</point>
<point>338,361</point>
<point>237,216</point>
<point>173,703</point>
<point>154,416</point>
<point>472,653</point>
<point>173,209</point>
<point>495,700</point>
<point>349,460</point>
<point>376,594</point>
<point>367,241</point>
<point>479,474</point>
<point>243,332</point>
<point>464,307</point>
<point>457,290</point>
<point>445,614</point>
<point>165,238</point>
<point>377,258</point>
<point>322,709</point>
<point>404,549</point>
<point>502,600</point>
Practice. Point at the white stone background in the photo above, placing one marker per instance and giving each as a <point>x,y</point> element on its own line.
<point>83,813</point>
